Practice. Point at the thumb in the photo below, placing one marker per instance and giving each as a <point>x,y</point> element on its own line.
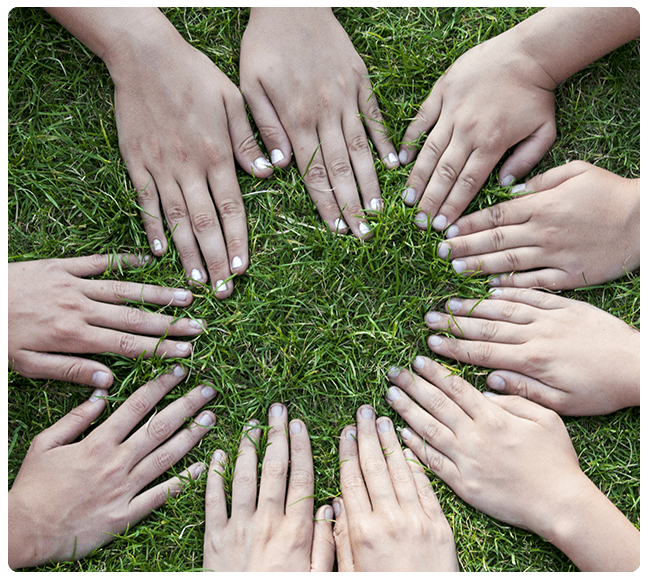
<point>58,367</point>
<point>323,549</point>
<point>515,383</point>
<point>528,153</point>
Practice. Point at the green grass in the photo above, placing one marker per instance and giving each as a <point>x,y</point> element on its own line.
<point>317,319</point>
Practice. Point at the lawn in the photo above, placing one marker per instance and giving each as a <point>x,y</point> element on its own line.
<point>318,318</point>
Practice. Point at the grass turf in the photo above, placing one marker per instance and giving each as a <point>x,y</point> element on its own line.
<point>317,319</point>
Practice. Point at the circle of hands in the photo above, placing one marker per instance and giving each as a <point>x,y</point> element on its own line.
<point>320,109</point>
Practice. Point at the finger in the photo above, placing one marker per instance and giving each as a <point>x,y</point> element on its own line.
<point>164,425</point>
<point>555,176</point>
<point>268,123</point>
<point>478,352</point>
<point>216,509</point>
<point>528,153</point>
<point>244,482</point>
<point>426,495</point>
<point>275,466</point>
<point>551,278</point>
<point>523,408</point>
<point>513,383</point>
<point>377,129</point>
<point>300,492</point>
<point>142,505</point>
<point>137,406</point>
<point>529,297</point>
<point>72,424</point>
<point>353,487</point>
<point>425,118</point>
<point>372,461</point>
<point>465,316</point>
<point>149,204</point>
<point>120,292</point>
<point>97,264</point>
<point>400,474</point>
<point>522,258</point>
<point>72,369</point>
<point>323,549</point>
<point>344,558</point>
<point>245,147</point>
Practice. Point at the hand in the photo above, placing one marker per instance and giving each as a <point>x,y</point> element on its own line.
<point>389,518</point>
<point>307,87</point>
<point>281,533</point>
<point>179,121</point>
<point>581,228</point>
<point>513,460</point>
<point>70,498</point>
<point>53,310</point>
<point>564,354</point>
<point>495,96</point>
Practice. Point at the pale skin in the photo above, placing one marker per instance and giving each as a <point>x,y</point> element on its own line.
<point>388,518</point>
<point>499,95</point>
<point>561,353</point>
<point>72,496</point>
<point>308,91</point>
<point>513,460</point>
<point>181,124</point>
<point>579,225</point>
<point>277,530</point>
<point>55,312</point>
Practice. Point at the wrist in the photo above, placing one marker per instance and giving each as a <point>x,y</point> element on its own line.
<point>25,548</point>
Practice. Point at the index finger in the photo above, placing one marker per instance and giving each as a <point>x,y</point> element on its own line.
<point>353,488</point>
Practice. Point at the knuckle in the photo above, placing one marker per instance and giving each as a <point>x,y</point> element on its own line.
<point>434,401</point>
<point>489,330</point>
<point>162,459</point>
<point>374,465</point>
<point>446,172</point>
<point>274,469</point>
<point>435,462</point>
<point>159,428</point>
<point>216,154</point>
<point>316,173</point>
<point>128,345</point>
<point>359,144</point>
<point>511,260</point>
<point>137,404</point>
<point>431,149</point>
<point>401,475</point>
<point>175,213</point>
<point>496,216</point>
<point>230,207</point>
<point>134,319</point>
<point>301,478</point>
<point>120,289</point>
<point>431,431</point>
<point>247,145</point>
<point>496,238</point>
<point>204,222</point>
<point>352,481</point>
<point>245,478</point>
<point>482,353</point>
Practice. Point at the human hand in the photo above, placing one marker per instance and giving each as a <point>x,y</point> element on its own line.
<point>179,122</point>
<point>564,354</point>
<point>493,97</point>
<point>53,310</point>
<point>72,497</point>
<point>580,228</point>
<point>281,533</point>
<point>307,88</point>
<point>389,518</point>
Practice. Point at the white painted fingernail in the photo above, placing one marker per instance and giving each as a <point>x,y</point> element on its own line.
<point>295,427</point>
<point>178,371</point>
<point>459,266</point>
<point>197,324</point>
<point>219,456</point>
<point>434,340</point>
<point>393,394</point>
<point>452,232</point>
<point>337,507</point>
<point>363,228</point>
<point>383,426</point>
<point>276,156</point>
<point>181,295</point>
<point>494,292</point>
<point>237,262</point>
<point>101,379</point>
<point>340,225</point>
<point>409,195</point>
<point>421,218</point>
<point>507,180</point>
<point>418,362</point>
<point>262,163</point>
<point>433,317</point>
<point>328,513</point>
<point>351,435</point>
<point>405,433</point>
<point>183,346</point>
<point>206,420</point>
<point>367,412</point>
<point>207,391</point>
<point>392,158</point>
<point>518,188</point>
<point>496,382</point>
<point>97,395</point>
<point>376,204</point>
<point>393,372</point>
<point>439,222</point>
<point>276,411</point>
<point>157,245</point>
<point>196,274</point>
<point>220,286</point>
<point>403,156</point>
<point>454,305</point>
<point>408,454</point>
<point>489,394</point>
<point>198,470</point>
<point>443,250</point>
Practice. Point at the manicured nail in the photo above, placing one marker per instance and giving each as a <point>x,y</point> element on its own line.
<point>178,371</point>
<point>363,228</point>
<point>459,266</point>
<point>198,470</point>
<point>220,286</point>
<point>454,305</point>
<point>409,195</point>
<point>393,372</point>
<point>393,394</point>
<point>156,245</point>
<point>418,362</point>
<point>205,420</point>
<point>376,204</point>
<point>367,412</point>
<point>337,507</point>
<point>421,218</point>
<point>405,433</point>
<point>276,410</point>
<point>328,514</point>
<point>521,187</point>
<point>196,274</point>
<point>443,251</point>
<point>183,346</point>
<point>351,435</point>
<point>262,163</point>
<point>97,395</point>
<point>181,295</point>
<point>383,426</point>
<point>496,382</point>
<point>452,231</point>
<point>507,180</point>
<point>434,340</point>
<point>237,263</point>
<point>494,292</point>
<point>392,158</point>
<point>433,317</point>
<point>207,392</point>
<point>439,222</point>
<point>276,156</point>
<point>340,225</point>
<point>496,281</point>
<point>295,427</point>
<point>489,394</point>
<point>409,455</point>
<point>219,456</point>
<point>197,324</point>
<point>403,156</point>
<point>101,379</point>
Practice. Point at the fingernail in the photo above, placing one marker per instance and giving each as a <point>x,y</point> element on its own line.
<point>393,372</point>
<point>205,420</point>
<point>421,218</point>
<point>409,455</point>
<point>197,324</point>
<point>207,392</point>
<point>97,395</point>
<point>405,433</point>
<point>403,156</point>
<point>409,195</point>
<point>198,470</point>
<point>494,292</point>
<point>496,382</point>
<point>219,456</point>
<point>340,225</point>
<point>454,305</point>
<point>220,286</point>
<point>351,435</point>
<point>392,158</point>
<point>376,204</point>
<point>393,394</point>
<point>237,263</point>
<point>383,426</point>
<point>101,379</point>
<point>181,295</point>
<point>433,317</point>
<point>367,412</point>
<point>489,394</point>
<point>518,188</point>
<point>196,274</point>
<point>262,163</point>
<point>156,245</point>
<point>459,266</point>
<point>337,507</point>
<point>507,180</point>
<point>443,250</point>
<point>439,222</point>
<point>178,371</point>
<point>276,410</point>
<point>328,513</point>
<point>418,362</point>
<point>276,156</point>
<point>434,340</point>
<point>452,231</point>
<point>295,427</point>
<point>363,228</point>
<point>496,281</point>
<point>183,346</point>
